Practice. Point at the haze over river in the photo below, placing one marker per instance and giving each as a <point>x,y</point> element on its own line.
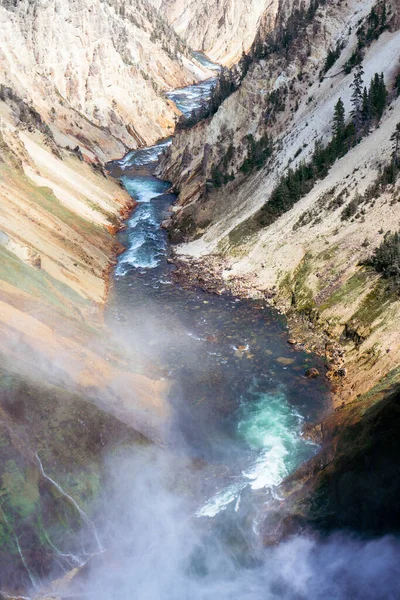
<point>186,521</point>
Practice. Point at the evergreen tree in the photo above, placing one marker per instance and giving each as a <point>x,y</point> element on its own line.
<point>213,99</point>
<point>366,108</point>
<point>319,157</point>
<point>395,138</point>
<point>357,99</point>
<point>386,258</point>
<point>244,64</point>
<point>377,96</point>
<point>204,110</point>
<point>383,16</point>
<point>338,126</point>
<point>332,57</point>
<point>383,93</point>
<point>373,19</point>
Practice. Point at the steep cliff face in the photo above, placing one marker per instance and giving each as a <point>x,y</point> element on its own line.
<point>223,30</point>
<point>58,215</point>
<point>308,253</point>
<point>96,71</point>
<point>67,392</point>
<point>80,82</point>
<point>353,482</point>
<point>51,471</point>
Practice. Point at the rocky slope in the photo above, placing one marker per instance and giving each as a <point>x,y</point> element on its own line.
<point>80,83</point>
<point>95,71</point>
<point>308,258</point>
<point>56,217</point>
<point>353,482</point>
<point>222,30</point>
<point>67,391</point>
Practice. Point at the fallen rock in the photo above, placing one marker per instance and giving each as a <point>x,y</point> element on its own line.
<point>211,338</point>
<point>282,360</point>
<point>312,373</point>
<point>166,224</point>
<point>292,341</point>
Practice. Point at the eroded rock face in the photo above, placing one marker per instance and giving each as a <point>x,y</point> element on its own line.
<point>51,462</point>
<point>310,254</point>
<point>223,30</point>
<point>352,483</point>
<point>80,82</point>
<point>96,70</point>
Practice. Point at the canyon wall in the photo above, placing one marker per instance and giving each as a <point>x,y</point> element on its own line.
<point>67,389</point>
<point>80,83</point>
<point>222,30</point>
<point>268,208</point>
<point>95,71</point>
<point>307,259</point>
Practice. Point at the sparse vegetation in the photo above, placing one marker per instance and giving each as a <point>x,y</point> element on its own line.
<point>386,258</point>
<point>374,25</point>
<point>387,176</point>
<point>332,57</point>
<point>258,152</point>
<point>368,106</point>
<point>227,82</point>
<point>283,37</point>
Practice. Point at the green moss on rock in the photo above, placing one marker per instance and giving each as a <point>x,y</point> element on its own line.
<point>71,436</point>
<point>294,286</point>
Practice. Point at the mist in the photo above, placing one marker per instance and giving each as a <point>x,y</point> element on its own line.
<point>158,549</point>
<point>155,545</point>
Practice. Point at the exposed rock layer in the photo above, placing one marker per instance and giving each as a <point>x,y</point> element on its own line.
<point>309,259</point>
<point>223,30</point>
<point>96,71</point>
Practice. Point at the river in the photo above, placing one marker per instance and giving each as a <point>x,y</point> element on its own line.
<point>240,388</point>
<point>185,522</point>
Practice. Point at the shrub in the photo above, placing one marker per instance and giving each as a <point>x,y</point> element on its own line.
<point>386,258</point>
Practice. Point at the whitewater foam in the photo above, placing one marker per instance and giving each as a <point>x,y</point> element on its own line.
<point>147,243</point>
<point>271,429</point>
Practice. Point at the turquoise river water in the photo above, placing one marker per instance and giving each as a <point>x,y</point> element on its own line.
<point>185,523</point>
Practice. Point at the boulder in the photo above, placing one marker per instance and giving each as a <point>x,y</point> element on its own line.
<point>166,224</point>
<point>312,373</point>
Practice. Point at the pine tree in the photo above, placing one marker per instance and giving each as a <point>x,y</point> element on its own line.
<point>366,108</point>
<point>383,16</point>
<point>319,158</point>
<point>339,121</point>
<point>203,110</point>
<point>377,96</point>
<point>244,64</point>
<point>373,19</point>
<point>213,99</point>
<point>357,99</point>
<point>395,138</point>
<point>383,93</point>
<point>332,56</point>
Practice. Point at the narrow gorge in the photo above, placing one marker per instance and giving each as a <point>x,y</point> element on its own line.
<point>199,286</point>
